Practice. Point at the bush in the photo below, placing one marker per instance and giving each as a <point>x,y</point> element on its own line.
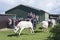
<point>55,32</point>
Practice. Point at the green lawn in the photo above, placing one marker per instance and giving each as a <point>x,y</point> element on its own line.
<point>26,35</point>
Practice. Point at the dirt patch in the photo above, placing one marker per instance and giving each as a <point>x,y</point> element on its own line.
<point>5,29</point>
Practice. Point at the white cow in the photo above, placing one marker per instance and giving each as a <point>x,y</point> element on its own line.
<point>44,25</point>
<point>24,24</point>
<point>53,22</point>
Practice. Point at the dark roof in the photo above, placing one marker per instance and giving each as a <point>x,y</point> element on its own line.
<point>26,8</point>
<point>55,14</point>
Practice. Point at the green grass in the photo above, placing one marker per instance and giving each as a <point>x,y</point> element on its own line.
<point>25,35</point>
<point>56,33</point>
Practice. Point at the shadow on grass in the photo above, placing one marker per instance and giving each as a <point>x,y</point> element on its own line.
<point>55,33</point>
<point>37,31</point>
<point>10,35</point>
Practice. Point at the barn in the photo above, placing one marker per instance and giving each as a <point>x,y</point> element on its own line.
<point>23,10</point>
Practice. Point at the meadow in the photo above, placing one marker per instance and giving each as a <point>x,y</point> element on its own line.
<point>52,34</point>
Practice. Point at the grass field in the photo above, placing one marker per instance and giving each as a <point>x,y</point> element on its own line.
<point>26,35</point>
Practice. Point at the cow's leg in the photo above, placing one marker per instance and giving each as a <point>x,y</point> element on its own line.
<point>21,31</point>
<point>52,25</point>
<point>32,30</point>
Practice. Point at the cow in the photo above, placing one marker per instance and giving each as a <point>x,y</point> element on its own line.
<point>53,23</point>
<point>44,25</point>
<point>22,25</point>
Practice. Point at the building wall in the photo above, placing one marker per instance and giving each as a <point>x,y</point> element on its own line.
<point>21,13</point>
<point>42,17</point>
<point>46,16</point>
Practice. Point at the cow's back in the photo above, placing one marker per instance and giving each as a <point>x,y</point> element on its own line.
<point>24,24</point>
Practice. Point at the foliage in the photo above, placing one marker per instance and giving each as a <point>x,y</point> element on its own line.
<point>55,33</point>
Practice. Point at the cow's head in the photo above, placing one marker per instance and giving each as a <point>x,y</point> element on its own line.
<point>16,29</point>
